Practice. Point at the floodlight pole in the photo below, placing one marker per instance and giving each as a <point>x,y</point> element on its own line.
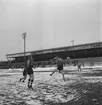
<point>73,46</point>
<point>24,37</point>
<point>72,42</point>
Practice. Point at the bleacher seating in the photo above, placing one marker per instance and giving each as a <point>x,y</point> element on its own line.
<point>4,65</point>
<point>85,61</point>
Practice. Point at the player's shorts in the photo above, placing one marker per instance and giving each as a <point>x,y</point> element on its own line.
<point>29,71</point>
<point>60,68</point>
<point>79,66</point>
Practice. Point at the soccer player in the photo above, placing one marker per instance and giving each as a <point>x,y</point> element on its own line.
<point>30,73</point>
<point>79,67</point>
<point>59,62</point>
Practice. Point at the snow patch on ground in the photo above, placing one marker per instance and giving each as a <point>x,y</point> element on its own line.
<point>47,89</point>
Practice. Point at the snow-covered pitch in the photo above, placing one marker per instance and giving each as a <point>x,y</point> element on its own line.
<point>52,90</point>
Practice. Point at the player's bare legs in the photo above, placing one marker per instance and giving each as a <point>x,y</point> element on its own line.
<point>23,79</point>
<point>30,80</point>
<point>61,71</point>
<point>53,72</point>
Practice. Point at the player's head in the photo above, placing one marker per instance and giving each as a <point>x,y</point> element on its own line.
<point>29,62</point>
<point>68,58</point>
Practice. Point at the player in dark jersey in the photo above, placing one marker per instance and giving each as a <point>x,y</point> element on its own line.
<point>24,74</point>
<point>30,73</point>
<point>79,67</point>
<point>59,62</point>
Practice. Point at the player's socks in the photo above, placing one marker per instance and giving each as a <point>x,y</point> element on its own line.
<point>28,83</point>
<point>20,80</point>
<point>23,81</point>
<point>31,84</point>
<point>50,75</point>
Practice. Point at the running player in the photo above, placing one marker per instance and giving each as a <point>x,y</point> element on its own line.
<point>30,73</point>
<point>24,74</point>
<point>59,62</point>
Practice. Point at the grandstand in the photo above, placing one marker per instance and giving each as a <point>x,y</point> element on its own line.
<point>90,53</point>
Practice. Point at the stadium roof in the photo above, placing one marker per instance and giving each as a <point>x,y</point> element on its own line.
<point>59,49</point>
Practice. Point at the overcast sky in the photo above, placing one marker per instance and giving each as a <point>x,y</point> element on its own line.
<point>48,23</point>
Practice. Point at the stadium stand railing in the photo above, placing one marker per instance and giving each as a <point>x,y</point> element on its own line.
<point>86,62</point>
<point>4,65</point>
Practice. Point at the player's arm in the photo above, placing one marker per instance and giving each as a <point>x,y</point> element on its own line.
<point>33,66</point>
